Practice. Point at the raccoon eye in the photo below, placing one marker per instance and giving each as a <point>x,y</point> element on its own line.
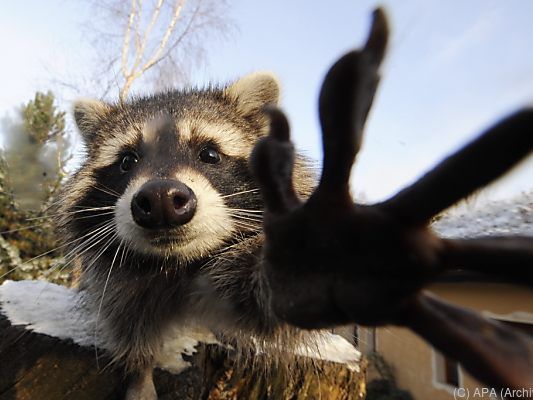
<point>128,162</point>
<point>209,155</point>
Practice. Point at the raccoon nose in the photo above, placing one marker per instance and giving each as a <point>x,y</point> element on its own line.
<point>163,204</point>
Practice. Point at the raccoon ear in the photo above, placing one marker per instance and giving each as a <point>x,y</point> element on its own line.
<point>88,114</point>
<point>254,91</point>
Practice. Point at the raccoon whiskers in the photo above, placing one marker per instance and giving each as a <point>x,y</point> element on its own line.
<point>250,222</point>
<point>85,209</point>
<point>86,246</point>
<point>239,193</point>
<point>100,233</point>
<point>104,189</point>
<point>248,213</point>
<point>94,216</point>
<point>219,252</point>
<point>99,230</point>
<point>247,210</point>
<point>52,250</point>
<point>248,226</point>
<point>247,222</point>
<point>91,216</point>
<point>103,295</point>
<point>109,189</point>
<point>23,228</point>
<point>237,236</point>
<point>245,217</point>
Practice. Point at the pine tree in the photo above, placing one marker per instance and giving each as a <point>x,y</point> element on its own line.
<point>35,144</point>
<point>31,171</point>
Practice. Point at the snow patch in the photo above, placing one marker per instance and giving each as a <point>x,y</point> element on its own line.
<point>181,341</point>
<point>332,347</point>
<point>506,217</point>
<point>47,308</point>
<point>57,311</point>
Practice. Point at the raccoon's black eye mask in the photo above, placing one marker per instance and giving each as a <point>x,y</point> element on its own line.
<point>330,261</point>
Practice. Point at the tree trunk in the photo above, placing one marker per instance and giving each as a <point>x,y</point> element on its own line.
<point>38,366</point>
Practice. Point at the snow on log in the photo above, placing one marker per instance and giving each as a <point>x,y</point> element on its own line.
<point>49,349</point>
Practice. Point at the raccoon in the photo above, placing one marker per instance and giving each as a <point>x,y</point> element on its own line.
<point>164,218</point>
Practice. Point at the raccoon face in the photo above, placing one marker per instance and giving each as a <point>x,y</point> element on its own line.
<point>173,168</point>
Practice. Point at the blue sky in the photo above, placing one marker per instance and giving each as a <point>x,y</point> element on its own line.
<point>453,68</point>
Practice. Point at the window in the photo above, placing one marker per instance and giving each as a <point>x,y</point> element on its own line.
<point>446,370</point>
<point>366,339</point>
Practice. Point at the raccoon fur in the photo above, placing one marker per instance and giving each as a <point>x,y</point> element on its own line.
<point>164,218</point>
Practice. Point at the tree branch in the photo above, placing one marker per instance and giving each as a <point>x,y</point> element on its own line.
<point>127,38</point>
<point>166,37</point>
<point>185,32</point>
<point>146,35</point>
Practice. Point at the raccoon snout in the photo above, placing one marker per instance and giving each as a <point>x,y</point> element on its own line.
<point>163,204</point>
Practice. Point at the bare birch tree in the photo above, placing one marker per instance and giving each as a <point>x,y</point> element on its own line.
<point>151,42</point>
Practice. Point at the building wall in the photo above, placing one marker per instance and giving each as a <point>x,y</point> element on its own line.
<point>413,360</point>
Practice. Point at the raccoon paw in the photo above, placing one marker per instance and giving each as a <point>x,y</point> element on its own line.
<point>309,245</point>
<point>328,261</point>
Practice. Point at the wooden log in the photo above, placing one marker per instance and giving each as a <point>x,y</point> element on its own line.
<point>36,365</point>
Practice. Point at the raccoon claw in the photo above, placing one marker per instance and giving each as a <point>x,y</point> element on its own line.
<point>345,100</point>
<point>498,354</point>
<point>279,125</point>
<point>501,256</point>
<point>376,44</point>
<point>508,142</point>
<point>272,163</point>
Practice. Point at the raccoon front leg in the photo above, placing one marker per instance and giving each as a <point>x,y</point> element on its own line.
<point>134,345</point>
<point>141,385</point>
<point>130,321</point>
<point>329,261</point>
